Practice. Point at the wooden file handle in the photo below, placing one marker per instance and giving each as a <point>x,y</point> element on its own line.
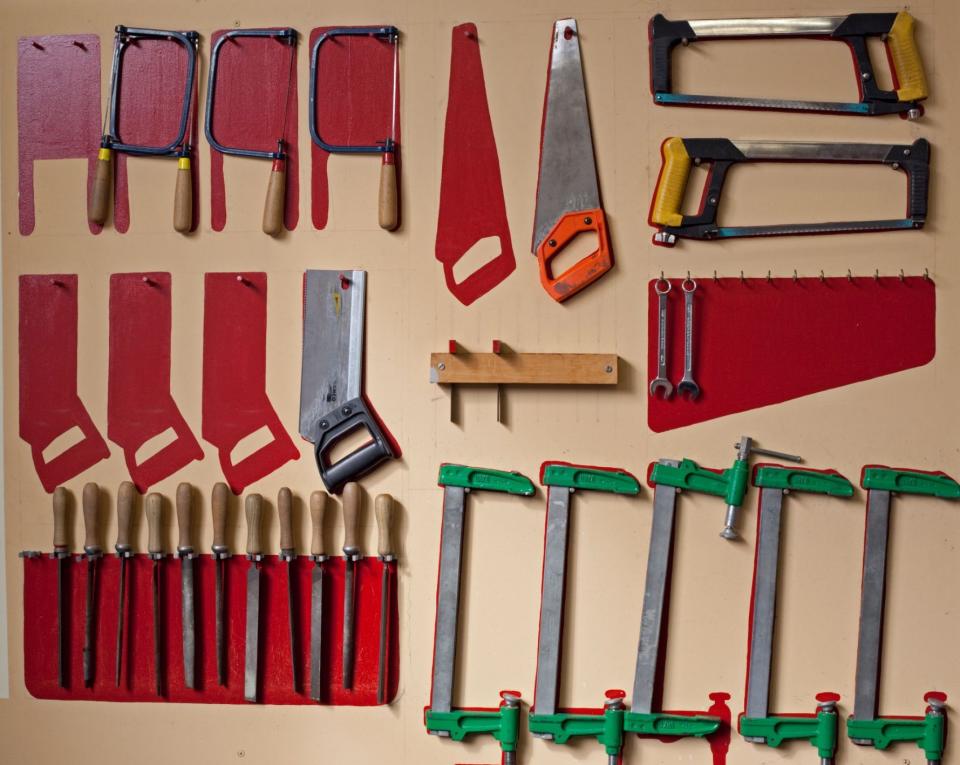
<point>318,506</point>
<point>351,518</point>
<point>154,512</point>
<point>253,508</point>
<point>184,517</point>
<point>384,509</point>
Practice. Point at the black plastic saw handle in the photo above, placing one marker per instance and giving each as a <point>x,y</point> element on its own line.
<point>336,425</point>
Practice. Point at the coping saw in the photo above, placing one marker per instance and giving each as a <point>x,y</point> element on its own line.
<point>568,191</point>
<point>276,189</point>
<point>332,404</point>
<point>179,147</point>
<point>679,155</point>
<point>440,717</point>
<point>546,721</point>
<point>864,726</point>
<point>757,725</point>
<point>895,29</point>
<point>387,212</point>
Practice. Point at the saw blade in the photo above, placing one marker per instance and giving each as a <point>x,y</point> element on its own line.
<point>333,306</point>
<point>568,172</point>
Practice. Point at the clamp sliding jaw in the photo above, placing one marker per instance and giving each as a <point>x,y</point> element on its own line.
<point>440,718</point>
<point>864,727</point>
<point>757,725</point>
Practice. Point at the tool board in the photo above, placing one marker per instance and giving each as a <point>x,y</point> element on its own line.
<point>909,418</point>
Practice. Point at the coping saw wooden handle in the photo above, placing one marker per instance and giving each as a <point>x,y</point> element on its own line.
<point>102,183</point>
<point>183,197</point>
<point>388,210</point>
<point>585,271</point>
<point>276,197</point>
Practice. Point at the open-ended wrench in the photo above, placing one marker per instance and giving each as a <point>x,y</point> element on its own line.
<point>661,382</point>
<point>687,383</point>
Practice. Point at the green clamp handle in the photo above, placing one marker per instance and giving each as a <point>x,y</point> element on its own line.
<point>820,731</point>
<point>502,723</point>
<point>607,728</point>
<point>928,732</point>
<point>909,482</point>
<point>802,479</point>
<point>485,479</point>
<point>731,484</point>
<point>612,480</point>
<point>659,724</point>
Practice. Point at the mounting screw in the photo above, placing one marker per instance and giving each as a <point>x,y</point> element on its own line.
<point>345,411</point>
<point>906,152</point>
<point>324,424</point>
<point>441,366</point>
<point>865,76</point>
<point>588,220</point>
<point>552,242</point>
<point>608,369</point>
<point>713,200</point>
<point>895,165</point>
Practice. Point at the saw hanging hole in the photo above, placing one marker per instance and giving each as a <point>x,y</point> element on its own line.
<point>765,69</point>
<point>766,193</point>
<point>63,443</point>
<point>578,248</point>
<point>696,188</point>
<point>480,254</point>
<point>877,50</point>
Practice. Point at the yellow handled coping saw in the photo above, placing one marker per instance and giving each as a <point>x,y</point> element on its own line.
<point>895,29</point>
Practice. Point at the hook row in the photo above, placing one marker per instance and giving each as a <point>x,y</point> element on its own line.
<point>822,276</point>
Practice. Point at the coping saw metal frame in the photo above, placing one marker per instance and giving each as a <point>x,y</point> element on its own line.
<point>895,29</point>
<point>387,146</point>
<point>679,155</point>
<point>123,37</point>
<point>287,35</point>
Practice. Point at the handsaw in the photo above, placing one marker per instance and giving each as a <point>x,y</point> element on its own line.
<point>568,193</point>
<point>895,29</point>
<point>332,404</point>
<point>681,154</point>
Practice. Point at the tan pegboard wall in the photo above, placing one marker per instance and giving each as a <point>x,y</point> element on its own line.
<point>907,419</point>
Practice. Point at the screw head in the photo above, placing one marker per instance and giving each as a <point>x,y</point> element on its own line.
<point>441,366</point>
<point>588,220</point>
<point>345,411</point>
<point>552,242</point>
<point>324,424</point>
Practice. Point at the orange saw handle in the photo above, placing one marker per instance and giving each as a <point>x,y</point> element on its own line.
<point>586,270</point>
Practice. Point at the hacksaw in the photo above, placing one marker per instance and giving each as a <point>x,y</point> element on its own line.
<point>680,155</point>
<point>895,29</point>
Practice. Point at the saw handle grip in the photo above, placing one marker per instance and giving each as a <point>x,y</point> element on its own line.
<point>915,162</point>
<point>253,508</point>
<point>218,508</point>
<point>585,271</point>
<point>285,511</point>
<point>664,36</point>
<point>383,507</point>
<point>671,184</point>
<point>276,198</point>
<point>154,512</point>
<point>102,183</point>
<point>351,519</point>
<point>184,517</point>
<point>91,511</point>
<point>350,416</point>
<point>318,506</point>
<point>125,499</point>
<point>183,197</point>
<point>61,500</point>
<point>388,210</point>
<point>909,76</point>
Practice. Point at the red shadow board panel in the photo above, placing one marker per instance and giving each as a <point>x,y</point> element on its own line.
<point>138,678</point>
<point>759,342</point>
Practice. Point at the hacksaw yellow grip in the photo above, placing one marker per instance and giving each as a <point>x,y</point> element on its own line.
<point>671,184</point>
<point>905,57</point>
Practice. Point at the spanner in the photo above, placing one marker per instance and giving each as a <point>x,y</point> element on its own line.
<point>662,383</point>
<point>687,384</point>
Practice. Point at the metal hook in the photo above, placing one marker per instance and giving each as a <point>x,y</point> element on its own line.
<point>794,276</point>
<point>849,276</point>
<point>822,278</point>
<point>715,279</point>
<point>148,281</point>
<point>688,276</point>
<point>901,275</point>
<point>243,280</point>
<point>742,280</point>
<point>769,277</point>
<point>926,274</point>
<point>876,274</point>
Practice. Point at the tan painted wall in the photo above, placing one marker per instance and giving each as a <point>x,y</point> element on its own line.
<point>907,419</point>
